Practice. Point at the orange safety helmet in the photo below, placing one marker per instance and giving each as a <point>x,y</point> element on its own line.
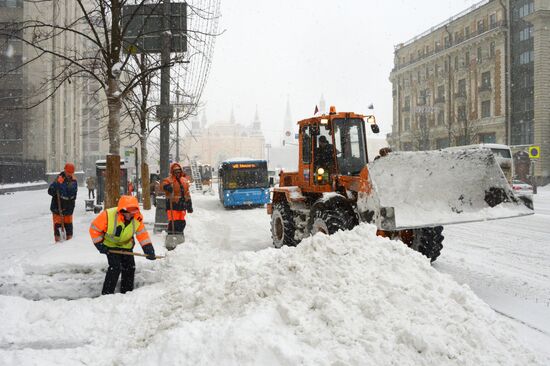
<point>128,203</point>
<point>69,168</point>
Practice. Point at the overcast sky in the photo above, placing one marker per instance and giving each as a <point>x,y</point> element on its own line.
<point>300,49</point>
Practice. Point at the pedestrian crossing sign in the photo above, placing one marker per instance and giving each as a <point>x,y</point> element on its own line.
<point>534,152</point>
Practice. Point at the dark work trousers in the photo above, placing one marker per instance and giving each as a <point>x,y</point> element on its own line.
<point>91,193</point>
<point>119,264</point>
<point>176,227</point>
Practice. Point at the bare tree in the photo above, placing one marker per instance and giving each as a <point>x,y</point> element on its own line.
<point>99,31</point>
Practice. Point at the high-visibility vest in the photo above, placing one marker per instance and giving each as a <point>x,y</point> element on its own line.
<point>126,233</point>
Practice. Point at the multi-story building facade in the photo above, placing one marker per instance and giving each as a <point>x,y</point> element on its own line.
<point>38,125</point>
<point>481,76</point>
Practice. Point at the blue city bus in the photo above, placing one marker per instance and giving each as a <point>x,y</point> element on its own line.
<point>243,183</point>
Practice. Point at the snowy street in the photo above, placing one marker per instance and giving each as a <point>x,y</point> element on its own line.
<point>226,297</point>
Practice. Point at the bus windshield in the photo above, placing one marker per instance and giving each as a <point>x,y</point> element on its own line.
<point>245,175</point>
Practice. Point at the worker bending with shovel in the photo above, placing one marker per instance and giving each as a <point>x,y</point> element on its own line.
<point>113,232</point>
<point>178,203</point>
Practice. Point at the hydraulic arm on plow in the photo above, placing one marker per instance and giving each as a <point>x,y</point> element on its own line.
<point>407,195</point>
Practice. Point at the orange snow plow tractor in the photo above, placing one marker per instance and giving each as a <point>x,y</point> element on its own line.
<point>407,195</point>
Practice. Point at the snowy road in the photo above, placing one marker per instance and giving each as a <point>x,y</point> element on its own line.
<point>506,263</point>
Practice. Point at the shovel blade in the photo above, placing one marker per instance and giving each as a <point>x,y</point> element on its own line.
<point>173,240</point>
<point>431,188</point>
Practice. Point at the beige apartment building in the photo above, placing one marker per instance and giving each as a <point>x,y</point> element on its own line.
<point>483,76</point>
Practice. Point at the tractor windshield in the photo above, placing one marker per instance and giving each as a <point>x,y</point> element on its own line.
<point>349,139</point>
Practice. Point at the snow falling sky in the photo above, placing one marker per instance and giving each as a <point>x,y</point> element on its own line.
<point>272,50</point>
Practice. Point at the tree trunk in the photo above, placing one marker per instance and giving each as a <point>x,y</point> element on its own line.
<point>112,181</point>
<point>112,176</point>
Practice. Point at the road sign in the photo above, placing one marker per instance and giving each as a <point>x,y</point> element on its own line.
<point>143,24</point>
<point>534,152</point>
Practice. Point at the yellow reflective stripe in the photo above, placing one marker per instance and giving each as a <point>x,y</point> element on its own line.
<point>145,242</point>
<point>141,232</point>
<point>92,226</point>
<point>98,239</point>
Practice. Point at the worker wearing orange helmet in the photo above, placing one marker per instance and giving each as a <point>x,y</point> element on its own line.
<point>63,191</point>
<point>114,229</point>
<point>176,188</point>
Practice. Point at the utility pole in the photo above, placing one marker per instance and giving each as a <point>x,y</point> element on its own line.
<point>165,108</point>
<point>164,112</point>
<point>178,106</point>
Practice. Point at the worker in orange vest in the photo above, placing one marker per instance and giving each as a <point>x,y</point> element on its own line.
<point>176,188</point>
<point>114,229</point>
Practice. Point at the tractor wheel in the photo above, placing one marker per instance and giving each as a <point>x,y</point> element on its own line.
<point>282,225</point>
<point>429,241</point>
<point>329,220</point>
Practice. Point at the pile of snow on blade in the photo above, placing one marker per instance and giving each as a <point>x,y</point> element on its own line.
<point>352,298</point>
<point>429,188</point>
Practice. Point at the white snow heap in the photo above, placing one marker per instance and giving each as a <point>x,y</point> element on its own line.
<point>352,298</point>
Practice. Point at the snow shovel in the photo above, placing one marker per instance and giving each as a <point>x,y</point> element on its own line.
<point>62,232</point>
<point>123,252</point>
<point>172,240</point>
<point>431,188</point>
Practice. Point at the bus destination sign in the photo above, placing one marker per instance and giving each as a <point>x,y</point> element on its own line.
<point>243,166</point>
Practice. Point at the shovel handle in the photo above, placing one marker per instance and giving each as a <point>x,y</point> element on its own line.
<point>123,252</point>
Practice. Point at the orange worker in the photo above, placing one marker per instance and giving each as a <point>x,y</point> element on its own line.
<point>63,191</point>
<point>176,188</point>
<point>114,229</point>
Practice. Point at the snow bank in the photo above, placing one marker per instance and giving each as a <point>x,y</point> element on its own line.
<point>351,299</point>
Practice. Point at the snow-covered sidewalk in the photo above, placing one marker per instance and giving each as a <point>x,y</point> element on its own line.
<point>227,298</point>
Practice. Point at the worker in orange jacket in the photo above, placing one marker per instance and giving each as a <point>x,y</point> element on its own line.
<point>114,229</point>
<point>63,191</point>
<point>176,188</point>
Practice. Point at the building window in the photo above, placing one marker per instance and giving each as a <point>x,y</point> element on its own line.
<point>486,109</point>
<point>467,58</point>
<point>407,124</point>
<point>479,55</point>
<point>11,3</point>
<point>441,118</point>
<point>456,63</point>
<point>462,87</point>
<point>486,80</point>
<point>493,20</point>
<point>461,113</point>
<point>407,106</point>
<point>526,9</point>
<point>487,138</point>
<point>526,57</point>
<point>492,49</point>
<point>441,92</point>
<point>480,26</point>
<point>526,33</point>
<point>467,32</point>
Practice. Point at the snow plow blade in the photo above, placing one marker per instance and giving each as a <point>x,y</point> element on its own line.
<point>440,187</point>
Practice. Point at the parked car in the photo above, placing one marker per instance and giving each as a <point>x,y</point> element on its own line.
<point>524,191</point>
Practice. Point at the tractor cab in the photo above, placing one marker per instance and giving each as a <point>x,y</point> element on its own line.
<point>333,144</point>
